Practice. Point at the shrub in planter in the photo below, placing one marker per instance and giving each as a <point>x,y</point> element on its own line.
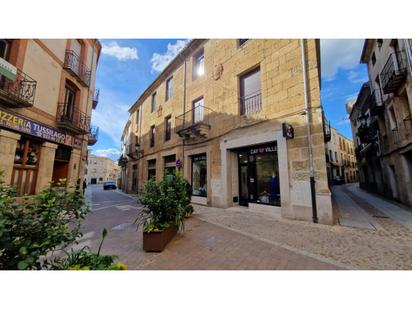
<point>165,206</point>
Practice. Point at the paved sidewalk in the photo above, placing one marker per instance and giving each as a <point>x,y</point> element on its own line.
<point>350,213</point>
<point>353,247</point>
<point>202,246</point>
<point>392,210</point>
<point>238,238</point>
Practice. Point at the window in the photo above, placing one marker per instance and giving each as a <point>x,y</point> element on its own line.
<point>153,106</point>
<point>242,41</point>
<point>373,58</point>
<point>250,92</point>
<point>168,127</point>
<point>336,156</point>
<point>169,88</point>
<point>330,155</point>
<point>169,166</point>
<point>151,169</point>
<point>5,46</point>
<point>152,136</point>
<point>69,102</point>
<point>199,175</point>
<point>198,110</point>
<point>137,118</point>
<point>198,65</point>
<point>25,167</point>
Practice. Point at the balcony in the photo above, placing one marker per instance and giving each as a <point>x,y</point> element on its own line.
<point>18,93</point>
<point>93,135</point>
<point>194,123</point>
<point>134,151</point>
<point>327,135</point>
<point>251,104</point>
<point>72,119</point>
<point>96,98</point>
<point>77,68</point>
<point>376,105</point>
<point>122,162</point>
<point>394,72</point>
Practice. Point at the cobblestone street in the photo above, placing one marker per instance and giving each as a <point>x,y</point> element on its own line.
<point>237,238</point>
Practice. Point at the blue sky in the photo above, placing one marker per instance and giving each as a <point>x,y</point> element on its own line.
<point>127,67</point>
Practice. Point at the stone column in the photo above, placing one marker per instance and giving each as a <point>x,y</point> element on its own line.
<point>45,167</point>
<point>74,166</point>
<point>8,144</point>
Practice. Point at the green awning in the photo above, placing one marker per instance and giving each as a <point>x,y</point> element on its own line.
<point>8,70</point>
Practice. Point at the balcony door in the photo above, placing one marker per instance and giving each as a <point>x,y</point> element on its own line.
<point>250,92</point>
<point>198,110</point>
<point>69,103</point>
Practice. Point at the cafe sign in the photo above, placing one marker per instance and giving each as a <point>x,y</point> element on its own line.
<point>8,70</point>
<point>28,126</point>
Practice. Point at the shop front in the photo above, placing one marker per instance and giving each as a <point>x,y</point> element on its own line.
<point>258,171</point>
<point>39,154</point>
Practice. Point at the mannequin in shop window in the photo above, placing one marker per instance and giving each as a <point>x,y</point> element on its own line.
<point>274,187</point>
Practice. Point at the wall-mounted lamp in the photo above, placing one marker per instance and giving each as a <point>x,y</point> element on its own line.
<point>379,42</point>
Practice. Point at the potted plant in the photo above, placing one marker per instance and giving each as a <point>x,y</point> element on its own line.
<point>165,206</point>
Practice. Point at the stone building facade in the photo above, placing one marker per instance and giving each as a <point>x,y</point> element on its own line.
<point>381,120</point>
<point>341,159</point>
<point>217,112</point>
<point>46,100</point>
<point>101,169</point>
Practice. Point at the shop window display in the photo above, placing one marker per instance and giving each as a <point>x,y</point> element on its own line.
<point>199,175</point>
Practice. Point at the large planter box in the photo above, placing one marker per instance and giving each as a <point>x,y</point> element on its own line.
<point>157,241</point>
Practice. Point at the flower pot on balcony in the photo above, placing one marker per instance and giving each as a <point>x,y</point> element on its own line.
<point>156,241</point>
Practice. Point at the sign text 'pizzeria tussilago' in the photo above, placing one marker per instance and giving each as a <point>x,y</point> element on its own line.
<point>28,126</point>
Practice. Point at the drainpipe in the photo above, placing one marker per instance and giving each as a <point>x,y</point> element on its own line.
<point>184,112</point>
<point>309,132</point>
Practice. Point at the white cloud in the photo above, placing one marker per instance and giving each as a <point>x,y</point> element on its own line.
<point>339,54</point>
<point>121,53</point>
<point>111,115</point>
<point>108,153</point>
<point>355,77</point>
<point>160,61</point>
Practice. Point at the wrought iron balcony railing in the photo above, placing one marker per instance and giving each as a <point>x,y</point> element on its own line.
<point>251,103</point>
<point>122,162</point>
<point>327,135</point>
<point>394,72</point>
<point>96,98</point>
<point>18,93</point>
<point>77,68</point>
<point>376,104</point>
<point>194,123</point>
<point>93,135</point>
<point>72,119</point>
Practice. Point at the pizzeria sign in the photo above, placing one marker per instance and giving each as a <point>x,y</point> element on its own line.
<point>28,126</point>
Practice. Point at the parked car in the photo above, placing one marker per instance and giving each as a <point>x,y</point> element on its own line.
<point>108,185</point>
